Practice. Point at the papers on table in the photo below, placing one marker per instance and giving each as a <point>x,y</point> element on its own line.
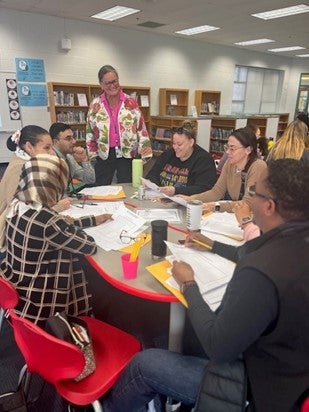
<point>104,192</point>
<point>211,272</point>
<point>171,215</point>
<point>223,224</point>
<point>155,192</point>
<point>107,235</point>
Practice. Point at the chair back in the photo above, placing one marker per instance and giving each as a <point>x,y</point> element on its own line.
<point>8,295</point>
<point>51,358</point>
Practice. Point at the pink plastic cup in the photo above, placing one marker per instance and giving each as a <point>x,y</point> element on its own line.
<point>129,269</point>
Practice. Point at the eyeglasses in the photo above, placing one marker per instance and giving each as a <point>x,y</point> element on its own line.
<point>127,239</point>
<point>231,148</point>
<point>186,128</point>
<point>111,83</point>
<point>252,192</point>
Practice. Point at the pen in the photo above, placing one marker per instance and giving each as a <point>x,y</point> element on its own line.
<point>202,244</point>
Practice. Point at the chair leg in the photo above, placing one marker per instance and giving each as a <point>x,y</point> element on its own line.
<point>97,407</point>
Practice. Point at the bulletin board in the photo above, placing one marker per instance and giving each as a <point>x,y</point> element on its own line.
<point>10,111</point>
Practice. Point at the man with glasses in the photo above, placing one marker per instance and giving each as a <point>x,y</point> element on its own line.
<point>116,131</point>
<point>64,145</point>
<point>263,316</point>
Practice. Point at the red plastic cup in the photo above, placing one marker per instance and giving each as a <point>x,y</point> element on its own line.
<point>129,269</point>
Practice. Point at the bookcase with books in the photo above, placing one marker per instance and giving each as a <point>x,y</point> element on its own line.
<point>221,128</point>
<point>207,102</point>
<point>69,103</point>
<point>161,128</point>
<point>173,102</point>
<point>282,124</point>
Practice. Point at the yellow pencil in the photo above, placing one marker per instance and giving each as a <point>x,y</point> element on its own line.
<point>201,244</point>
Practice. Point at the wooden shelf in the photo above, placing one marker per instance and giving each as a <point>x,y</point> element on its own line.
<point>207,101</point>
<point>173,102</point>
<point>283,123</point>
<point>64,104</point>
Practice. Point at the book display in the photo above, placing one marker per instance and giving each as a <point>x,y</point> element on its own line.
<point>207,102</point>
<point>173,102</point>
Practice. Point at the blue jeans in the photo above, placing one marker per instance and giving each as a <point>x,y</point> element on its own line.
<point>152,372</point>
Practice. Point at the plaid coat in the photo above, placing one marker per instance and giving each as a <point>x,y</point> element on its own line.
<point>43,263</point>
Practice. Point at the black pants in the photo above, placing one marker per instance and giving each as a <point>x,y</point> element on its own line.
<point>105,169</point>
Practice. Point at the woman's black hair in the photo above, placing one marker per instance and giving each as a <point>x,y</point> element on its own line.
<point>247,138</point>
<point>29,134</point>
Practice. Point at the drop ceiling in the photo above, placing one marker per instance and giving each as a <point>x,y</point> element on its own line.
<point>168,16</point>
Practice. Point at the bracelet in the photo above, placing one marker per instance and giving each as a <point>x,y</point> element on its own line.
<point>187,284</point>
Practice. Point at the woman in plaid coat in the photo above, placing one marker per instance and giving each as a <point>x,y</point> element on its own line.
<point>43,247</point>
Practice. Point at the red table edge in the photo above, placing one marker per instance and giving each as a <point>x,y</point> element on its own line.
<point>160,297</point>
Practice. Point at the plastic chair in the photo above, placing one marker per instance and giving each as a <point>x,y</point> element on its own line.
<point>8,298</point>
<point>58,362</point>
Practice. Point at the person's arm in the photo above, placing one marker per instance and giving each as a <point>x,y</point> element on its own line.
<point>239,321</point>
<point>91,134</point>
<point>202,177</point>
<point>83,171</point>
<point>62,235</point>
<point>144,143</point>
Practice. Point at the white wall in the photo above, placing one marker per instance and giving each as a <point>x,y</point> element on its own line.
<point>141,58</point>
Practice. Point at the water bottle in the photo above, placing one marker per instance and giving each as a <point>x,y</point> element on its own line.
<point>137,172</point>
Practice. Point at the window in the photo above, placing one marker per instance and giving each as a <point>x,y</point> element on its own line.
<point>256,90</point>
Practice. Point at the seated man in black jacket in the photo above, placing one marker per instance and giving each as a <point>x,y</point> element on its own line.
<point>186,168</point>
<point>263,315</point>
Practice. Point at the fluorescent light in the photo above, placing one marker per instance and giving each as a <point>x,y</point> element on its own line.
<point>257,41</point>
<point>115,13</point>
<point>197,30</point>
<point>286,11</point>
<point>283,49</point>
<point>302,55</point>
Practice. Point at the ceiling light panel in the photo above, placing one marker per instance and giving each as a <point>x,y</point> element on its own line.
<point>286,11</point>
<point>251,42</point>
<point>284,49</point>
<point>197,30</point>
<point>115,13</point>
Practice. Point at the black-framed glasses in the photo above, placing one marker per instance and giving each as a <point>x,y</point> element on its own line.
<point>252,192</point>
<point>111,82</point>
<point>186,128</point>
<point>127,239</point>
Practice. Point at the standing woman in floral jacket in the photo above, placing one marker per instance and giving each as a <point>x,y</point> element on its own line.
<point>116,131</point>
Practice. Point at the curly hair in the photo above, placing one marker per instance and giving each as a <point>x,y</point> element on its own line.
<point>288,182</point>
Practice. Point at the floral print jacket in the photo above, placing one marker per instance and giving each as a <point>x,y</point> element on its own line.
<point>134,139</point>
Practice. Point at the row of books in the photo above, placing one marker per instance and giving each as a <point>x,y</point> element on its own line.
<point>71,117</point>
<point>211,107</point>
<point>159,145</point>
<point>79,134</point>
<point>217,146</point>
<point>68,99</point>
<point>220,133</point>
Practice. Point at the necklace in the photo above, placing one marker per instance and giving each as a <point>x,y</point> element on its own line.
<point>237,170</point>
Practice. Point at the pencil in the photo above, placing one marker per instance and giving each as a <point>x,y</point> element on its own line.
<point>201,244</point>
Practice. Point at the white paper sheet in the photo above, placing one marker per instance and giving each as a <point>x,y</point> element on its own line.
<point>101,190</point>
<point>171,215</point>
<point>78,210</point>
<point>211,272</point>
<point>222,223</point>
<point>155,189</point>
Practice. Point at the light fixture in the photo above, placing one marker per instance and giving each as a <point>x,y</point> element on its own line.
<point>284,12</point>
<point>302,55</point>
<point>115,13</point>
<point>251,42</point>
<point>197,30</point>
<point>283,49</point>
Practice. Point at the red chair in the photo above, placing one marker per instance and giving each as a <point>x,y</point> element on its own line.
<point>8,298</point>
<point>59,362</point>
<point>305,405</point>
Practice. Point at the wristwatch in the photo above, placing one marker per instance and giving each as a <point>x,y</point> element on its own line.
<point>217,207</point>
<point>187,284</point>
<point>245,220</point>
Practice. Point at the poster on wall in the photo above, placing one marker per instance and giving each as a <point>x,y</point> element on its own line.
<point>32,94</point>
<point>12,95</point>
<point>30,70</point>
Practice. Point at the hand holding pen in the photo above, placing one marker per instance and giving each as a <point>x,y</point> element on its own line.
<point>199,241</point>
